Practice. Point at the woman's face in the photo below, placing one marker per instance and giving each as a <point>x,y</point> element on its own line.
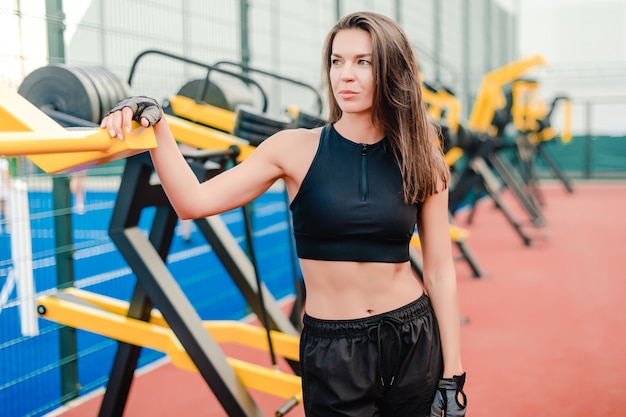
<point>351,73</point>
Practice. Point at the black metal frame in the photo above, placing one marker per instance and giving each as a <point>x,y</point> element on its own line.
<point>204,65</point>
<point>155,286</point>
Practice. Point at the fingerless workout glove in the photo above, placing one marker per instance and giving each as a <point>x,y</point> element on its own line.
<point>141,106</point>
<point>450,398</point>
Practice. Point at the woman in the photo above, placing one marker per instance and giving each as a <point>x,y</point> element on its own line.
<point>371,342</point>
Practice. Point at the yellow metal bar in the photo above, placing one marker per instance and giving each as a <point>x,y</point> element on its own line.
<point>223,331</point>
<point>457,235</point>
<point>105,323</point>
<point>453,155</point>
<point>415,241</point>
<point>19,115</point>
<point>515,69</point>
<point>20,143</point>
<point>204,137</point>
<point>26,130</point>
<point>36,143</point>
<point>157,337</point>
<point>255,337</point>
<point>138,141</point>
<point>523,116</point>
<point>204,113</point>
<point>270,381</point>
<point>566,134</point>
<point>443,101</point>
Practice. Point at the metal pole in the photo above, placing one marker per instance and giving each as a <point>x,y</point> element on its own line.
<point>243,31</point>
<point>488,30</point>
<point>465,58</point>
<point>56,28</point>
<point>63,219</point>
<point>399,12</point>
<point>588,141</point>
<point>437,39</point>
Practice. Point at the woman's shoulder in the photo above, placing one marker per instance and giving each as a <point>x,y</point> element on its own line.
<point>292,150</point>
<point>300,134</point>
<point>293,139</point>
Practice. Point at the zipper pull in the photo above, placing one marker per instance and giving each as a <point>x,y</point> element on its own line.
<point>363,149</point>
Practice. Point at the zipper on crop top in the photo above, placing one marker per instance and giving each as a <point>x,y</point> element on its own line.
<point>363,172</point>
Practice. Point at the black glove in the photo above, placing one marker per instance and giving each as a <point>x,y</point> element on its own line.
<point>141,106</point>
<point>450,398</point>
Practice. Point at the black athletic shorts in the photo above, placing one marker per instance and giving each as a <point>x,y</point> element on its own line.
<point>384,365</point>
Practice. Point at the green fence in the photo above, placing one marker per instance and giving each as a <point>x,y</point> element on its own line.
<point>588,157</point>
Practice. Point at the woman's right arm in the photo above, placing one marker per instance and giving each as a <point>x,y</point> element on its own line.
<point>190,198</point>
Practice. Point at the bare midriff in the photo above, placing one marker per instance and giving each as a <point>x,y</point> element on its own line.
<point>338,290</point>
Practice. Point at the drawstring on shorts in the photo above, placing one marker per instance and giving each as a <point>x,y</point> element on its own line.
<point>374,333</point>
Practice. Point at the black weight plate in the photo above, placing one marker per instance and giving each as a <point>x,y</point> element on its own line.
<point>105,88</point>
<point>213,94</point>
<point>120,87</point>
<point>62,88</point>
<point>223,93</point>
<point>98,85</point>
<point>253,116</point>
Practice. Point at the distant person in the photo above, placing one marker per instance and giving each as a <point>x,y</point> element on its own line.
<point>79,191</point>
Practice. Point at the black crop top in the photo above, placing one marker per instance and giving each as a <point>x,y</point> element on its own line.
<point>350,206</point>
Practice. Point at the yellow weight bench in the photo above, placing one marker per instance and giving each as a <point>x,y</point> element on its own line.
<point>26,130</point>
<point>107,316</point>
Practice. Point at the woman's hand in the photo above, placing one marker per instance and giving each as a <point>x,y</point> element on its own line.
<point>144,110</point>
<point>450,399</point>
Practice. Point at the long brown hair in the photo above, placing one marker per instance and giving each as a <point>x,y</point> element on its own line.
<point>398,107</point>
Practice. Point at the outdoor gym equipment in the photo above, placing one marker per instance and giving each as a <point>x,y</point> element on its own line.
<point>444,107</point>
<point>532,119</point>
<point>185,334</point>
<point>31,131</point>
<point>486,169</point>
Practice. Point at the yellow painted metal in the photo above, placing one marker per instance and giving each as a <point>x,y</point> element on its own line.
<point>26,130</point>
<point>457,235</point>
<point>33,143</point>
<point>528,108</point>
<point>525,108</point>
<point>293,111</point>
<point>204,137</point>
<point>19,115</point>
<point>566,133</point>
<point>107,318</point>
<point>440,102</point>
<point>453,155</point>
<point>223,331</point>
<point>490,96</point>
<point>138,141</point>
<point>269,381</point>
<point>204,113</point>
<point>106,323</point>
<point>415,241</point>
<point>229,331</point>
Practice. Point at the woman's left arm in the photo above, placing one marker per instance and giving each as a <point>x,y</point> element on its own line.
<point>440,277</point>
